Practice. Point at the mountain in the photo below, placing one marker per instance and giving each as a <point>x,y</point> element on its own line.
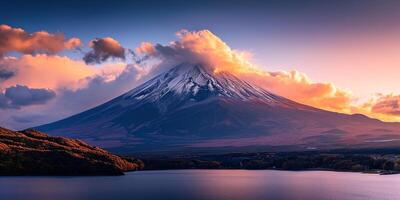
<point>189,107</point>
<point>31,152</point>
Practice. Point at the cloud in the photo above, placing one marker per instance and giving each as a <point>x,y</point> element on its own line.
<point>18,40</point>
<point>20,95</point>
<point>4,102</point>
<point>145,48</point>
<point>5,74</point>
<point>199,47</point>
<point>99,89</point>
<point>104,49</point>
<point>77,86</point>
<point>60,74</point>
<point>387,104</point>
<point>203,47</point>
<point>298,87</point>
<point>46,71</point>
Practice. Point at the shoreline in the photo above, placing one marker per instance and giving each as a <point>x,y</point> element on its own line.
<point>383,164</point>
<point>376,172</point>
<point>283,170</point>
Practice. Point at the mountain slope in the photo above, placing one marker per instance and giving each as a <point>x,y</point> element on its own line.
<point>191,107</point>
<point>31,152</point>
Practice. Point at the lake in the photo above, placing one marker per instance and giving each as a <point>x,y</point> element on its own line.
<point>207,184</point>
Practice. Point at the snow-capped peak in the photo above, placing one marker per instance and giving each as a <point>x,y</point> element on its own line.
<point>196,83</point>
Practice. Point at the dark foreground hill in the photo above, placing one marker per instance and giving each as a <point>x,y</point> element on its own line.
<point>31,152</point>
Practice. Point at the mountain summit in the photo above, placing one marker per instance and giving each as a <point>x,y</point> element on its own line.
<point>189,107</point>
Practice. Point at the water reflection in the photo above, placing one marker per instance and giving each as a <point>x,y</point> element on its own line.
<point>206,184</point>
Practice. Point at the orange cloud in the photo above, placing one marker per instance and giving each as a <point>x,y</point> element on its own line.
<point>387,104</point>
<point>203,47</point>
<point>16,39</point>
<point>54,72</point>
<point>145,48</point>
<point>297,86</point>
<point>44,71</point>
<point>384,107</point>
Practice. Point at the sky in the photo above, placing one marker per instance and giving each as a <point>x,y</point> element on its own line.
<point>69,56</point>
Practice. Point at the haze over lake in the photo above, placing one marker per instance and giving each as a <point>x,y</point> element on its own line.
<point>207,184</point>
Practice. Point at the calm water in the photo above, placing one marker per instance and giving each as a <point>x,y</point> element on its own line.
<point>206,184</point>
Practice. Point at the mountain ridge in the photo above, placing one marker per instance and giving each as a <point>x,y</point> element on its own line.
<point>190,106</point>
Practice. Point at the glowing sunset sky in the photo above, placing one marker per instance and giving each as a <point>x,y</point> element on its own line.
<point>342,56</point>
